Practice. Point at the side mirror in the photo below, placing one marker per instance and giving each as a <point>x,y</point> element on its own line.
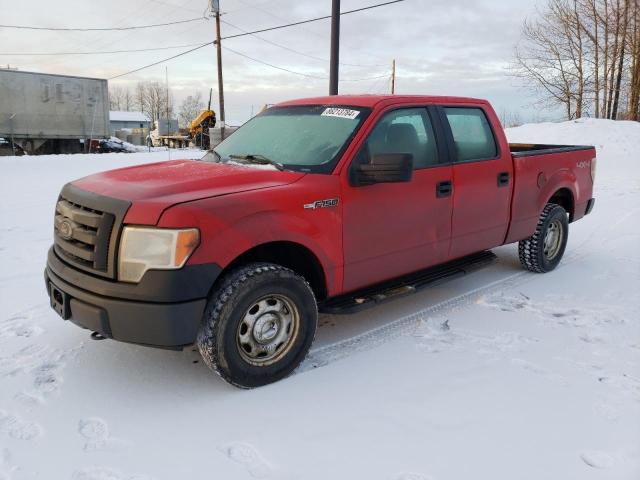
<point>384,168</point>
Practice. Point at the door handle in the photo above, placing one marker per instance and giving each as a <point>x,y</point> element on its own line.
<point>444,189</point>
<point>503,179</point>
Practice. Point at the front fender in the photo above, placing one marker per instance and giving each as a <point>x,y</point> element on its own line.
<point>233,224</point>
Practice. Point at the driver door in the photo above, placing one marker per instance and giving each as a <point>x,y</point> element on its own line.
<point>391,229</point>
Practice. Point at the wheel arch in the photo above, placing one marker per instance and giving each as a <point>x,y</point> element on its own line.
<point>292,255</point>
<point>566,199</point>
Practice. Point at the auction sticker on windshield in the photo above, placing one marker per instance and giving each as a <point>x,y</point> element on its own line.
<point>340,112</point>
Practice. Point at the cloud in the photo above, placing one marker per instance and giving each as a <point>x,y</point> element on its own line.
<point>460,47</point>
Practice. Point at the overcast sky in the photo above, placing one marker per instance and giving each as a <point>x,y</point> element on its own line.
<point>443,47</point>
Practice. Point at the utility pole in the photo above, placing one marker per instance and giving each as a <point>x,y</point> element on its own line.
<point>215,8</point>
<point>335,47</point>
<point>393,77</point>
<point>166,72</point>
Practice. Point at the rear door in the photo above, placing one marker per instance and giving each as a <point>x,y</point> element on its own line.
<point>482,181</point>
<point>391,229</point>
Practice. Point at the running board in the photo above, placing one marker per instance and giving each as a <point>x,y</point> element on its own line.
<point>400,287</point>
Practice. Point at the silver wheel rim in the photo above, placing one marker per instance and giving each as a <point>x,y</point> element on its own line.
<point>553,239</point>
<point>268,330</point>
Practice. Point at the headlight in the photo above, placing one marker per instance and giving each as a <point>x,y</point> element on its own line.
<point>143,249</point>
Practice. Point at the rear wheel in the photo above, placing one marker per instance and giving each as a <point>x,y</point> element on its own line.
<point>543,251</point>
<point>258,325</point>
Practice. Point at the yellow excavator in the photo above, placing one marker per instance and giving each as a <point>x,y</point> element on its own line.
<point>199,126</point>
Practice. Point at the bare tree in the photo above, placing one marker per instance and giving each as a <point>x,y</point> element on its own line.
<point>545,58</point>
<point>190,108</point>
<point>577,53</point>
<point>128,100</point>
<point>634,44</point>
<point>154,100</point>
<point>510,119</point>
<point>138,98</point>
<point>116,98</point>
<point>621,55</point>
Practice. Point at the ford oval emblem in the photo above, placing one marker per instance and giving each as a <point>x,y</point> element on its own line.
<point>65,229</point>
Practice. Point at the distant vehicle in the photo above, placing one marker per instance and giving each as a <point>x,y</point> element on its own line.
<point>46,113</point>
<point>332,204</point>
<point>9,148</point>
<point>110,145</point>
<point>199,126</point>
<point>167,134</point>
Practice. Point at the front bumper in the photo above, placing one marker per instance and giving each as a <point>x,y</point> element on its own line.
<point>163,310</point>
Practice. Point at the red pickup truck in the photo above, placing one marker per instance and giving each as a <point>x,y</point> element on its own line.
<point>325,203</point>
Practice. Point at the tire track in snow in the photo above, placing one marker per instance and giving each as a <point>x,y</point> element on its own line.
<point>322,356</point>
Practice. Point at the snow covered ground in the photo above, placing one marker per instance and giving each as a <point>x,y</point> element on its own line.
<point>498,375</point>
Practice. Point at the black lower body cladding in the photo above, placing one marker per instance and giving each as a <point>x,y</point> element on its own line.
<point>590,205</point>
<point>163,310</point>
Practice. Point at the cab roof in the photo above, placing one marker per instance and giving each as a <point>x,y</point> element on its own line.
<point>372,101</point>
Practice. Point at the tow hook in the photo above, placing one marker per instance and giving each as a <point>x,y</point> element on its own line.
<point>97,336</point>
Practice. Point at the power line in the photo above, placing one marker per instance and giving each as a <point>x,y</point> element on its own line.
<point>102,29</point>
<point>177,22</point>
<point>162,61</point>
<point>254,32</point>
<point>252,59</point>
<point>318,77</point>
<point>101,52</point>
<point>244,33</point>
<point>270,13</point>
<point>284,47</point>
<point>310,20</point>
<point>274,66</point>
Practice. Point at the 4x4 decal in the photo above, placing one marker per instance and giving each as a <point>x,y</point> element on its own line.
<point>329,202</point>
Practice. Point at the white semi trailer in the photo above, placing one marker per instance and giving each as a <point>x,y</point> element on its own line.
<point>44,113</point>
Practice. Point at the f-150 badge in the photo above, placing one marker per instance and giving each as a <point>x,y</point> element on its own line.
<point>329,202</point>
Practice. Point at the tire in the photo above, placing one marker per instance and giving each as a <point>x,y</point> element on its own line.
<point>543,250</point>
<point>258,325</point>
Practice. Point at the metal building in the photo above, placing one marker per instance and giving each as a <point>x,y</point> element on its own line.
<point>119,120</point>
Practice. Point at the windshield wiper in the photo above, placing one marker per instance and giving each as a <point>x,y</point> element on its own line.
<point>257,159</point>
<point>210,153</point>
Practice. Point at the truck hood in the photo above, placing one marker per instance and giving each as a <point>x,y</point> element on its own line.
<point>154,187</point>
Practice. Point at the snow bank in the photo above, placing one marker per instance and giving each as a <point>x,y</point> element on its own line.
<point>618,142</point>
<point>498,375</point>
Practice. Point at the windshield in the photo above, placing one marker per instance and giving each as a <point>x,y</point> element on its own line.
<point>302,138</point>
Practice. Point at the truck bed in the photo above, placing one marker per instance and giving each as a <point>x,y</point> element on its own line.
<point>528,149</point>
<point>541,170</point>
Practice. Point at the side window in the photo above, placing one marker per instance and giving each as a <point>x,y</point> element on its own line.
<point>471,133</point>
<point>406,130</point>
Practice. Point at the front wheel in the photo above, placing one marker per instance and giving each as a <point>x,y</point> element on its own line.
<point>543,250</point>
<point>258,325</point>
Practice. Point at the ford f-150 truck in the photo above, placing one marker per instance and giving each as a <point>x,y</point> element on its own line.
<point>315,204</point>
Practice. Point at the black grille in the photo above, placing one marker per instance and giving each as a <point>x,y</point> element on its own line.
<point>82,234</point>
<point>87,229</point>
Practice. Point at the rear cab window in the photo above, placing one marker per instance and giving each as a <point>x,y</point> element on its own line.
<point>472,134</point>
